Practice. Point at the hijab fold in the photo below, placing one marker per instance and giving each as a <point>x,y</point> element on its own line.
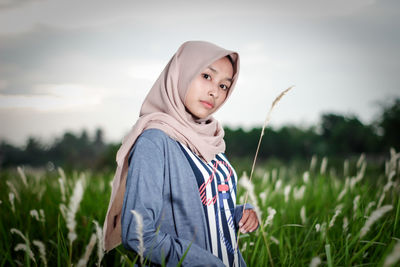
<point>164,109</point>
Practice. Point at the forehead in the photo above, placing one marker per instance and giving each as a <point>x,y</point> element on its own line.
<point>222,66</point>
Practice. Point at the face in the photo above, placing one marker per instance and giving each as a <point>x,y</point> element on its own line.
<point>208,90</point>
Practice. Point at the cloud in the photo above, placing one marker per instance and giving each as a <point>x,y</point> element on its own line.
<point>55,97</point>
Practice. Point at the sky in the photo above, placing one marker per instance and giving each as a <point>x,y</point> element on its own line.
<point>68,65</point>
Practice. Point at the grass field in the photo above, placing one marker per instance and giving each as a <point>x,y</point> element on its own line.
<point>315,216</point>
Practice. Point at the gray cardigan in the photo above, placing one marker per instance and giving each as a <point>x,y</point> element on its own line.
<point>162,188</point>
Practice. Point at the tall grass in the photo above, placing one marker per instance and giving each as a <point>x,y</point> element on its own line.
<point>308,217</point>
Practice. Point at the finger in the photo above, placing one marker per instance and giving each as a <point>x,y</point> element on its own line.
<point>250,223</point>
<point>254,225</point>
<point>244,218</point>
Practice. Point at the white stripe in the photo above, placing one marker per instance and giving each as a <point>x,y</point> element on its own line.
<point>228,211</point>
<point>223,247</point>
<point>216,231</point>
<point>210,208</point>
<point>234,176</point>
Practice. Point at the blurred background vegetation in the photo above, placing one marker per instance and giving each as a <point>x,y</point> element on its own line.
<point>335,136</point>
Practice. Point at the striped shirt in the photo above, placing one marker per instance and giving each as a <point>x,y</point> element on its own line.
<point>217,188</point>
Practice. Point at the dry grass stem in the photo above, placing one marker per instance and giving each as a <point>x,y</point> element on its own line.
<point>267,119</point>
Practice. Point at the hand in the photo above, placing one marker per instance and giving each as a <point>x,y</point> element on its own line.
<point>248,222</point>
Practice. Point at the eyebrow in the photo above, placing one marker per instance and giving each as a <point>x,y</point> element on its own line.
<point>215,71</point>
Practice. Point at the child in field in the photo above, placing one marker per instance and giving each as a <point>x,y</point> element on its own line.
<point>172,169</point>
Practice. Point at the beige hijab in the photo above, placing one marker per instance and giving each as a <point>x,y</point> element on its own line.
<point>164,109</point>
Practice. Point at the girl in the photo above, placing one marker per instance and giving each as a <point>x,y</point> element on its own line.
<point>172,169</point>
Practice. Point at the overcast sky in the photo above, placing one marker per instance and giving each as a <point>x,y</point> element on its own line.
<point>69,65</point>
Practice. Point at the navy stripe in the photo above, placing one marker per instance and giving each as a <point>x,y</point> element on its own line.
<point>224,206</point>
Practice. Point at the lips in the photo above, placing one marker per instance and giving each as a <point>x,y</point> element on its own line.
<point>207,104</point>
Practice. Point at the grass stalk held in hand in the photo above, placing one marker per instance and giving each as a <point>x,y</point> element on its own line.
<point>267,119</point>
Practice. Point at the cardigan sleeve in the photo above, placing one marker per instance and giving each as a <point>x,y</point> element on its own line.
<point>144,194</point>
<point>239,213</point>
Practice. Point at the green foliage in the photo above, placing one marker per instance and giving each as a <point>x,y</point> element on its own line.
<point>290,239</point>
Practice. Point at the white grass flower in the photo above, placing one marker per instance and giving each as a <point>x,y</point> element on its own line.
<point>361,171</point>
<point>266,178</point>
<point>381,198</point>
<point>18,232</point>
<point>360,160</point>
<point>13,190</point>
<point>23,246</point>
<point>387,168</point>
<point>317,227</point>
<point>244,246</point>
<point>42,216</point>
<point>375,215</point>
<point>11,198</point>
<point>369,206</point>
<point>62,189</point>
<point>391,175</point>
<point>278,185</point>
<point>249,186</point>
<point>299,193</point>
<point>355,206</point>
<point>386,188</point>
<point>100,243</point>
<point>139,231</point>
<point>346,168</point>
<point>63,210</point>
<point>286,192</point>
<point>42,250</point>
<point>259,172</point>
<point>41,192</point>
<point>303,214</point>
<point>101,185</point>
<point>324,165</point>
<point>34,213</point>
<point>263,197</point>
<point>359,177</point>
<point>27,250</point>
<point>332,222</point>
<point>316,261</point>
<point>88,251</point>
<point>344,190</point>
<point>393,257</point>
<point>22,175</point>
<point>73,207</point>
<point>306,177</point>
<point>345,224</point>
<point>274,240</point>
<point>271,214</point>
<point>313,163</point>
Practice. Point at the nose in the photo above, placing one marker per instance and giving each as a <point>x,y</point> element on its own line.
<point>213,91</point>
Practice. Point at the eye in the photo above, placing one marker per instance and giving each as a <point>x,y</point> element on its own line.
<point>224,87</point>
<point>206,76</point>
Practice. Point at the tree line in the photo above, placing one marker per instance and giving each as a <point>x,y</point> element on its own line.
<point>335,135</point>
